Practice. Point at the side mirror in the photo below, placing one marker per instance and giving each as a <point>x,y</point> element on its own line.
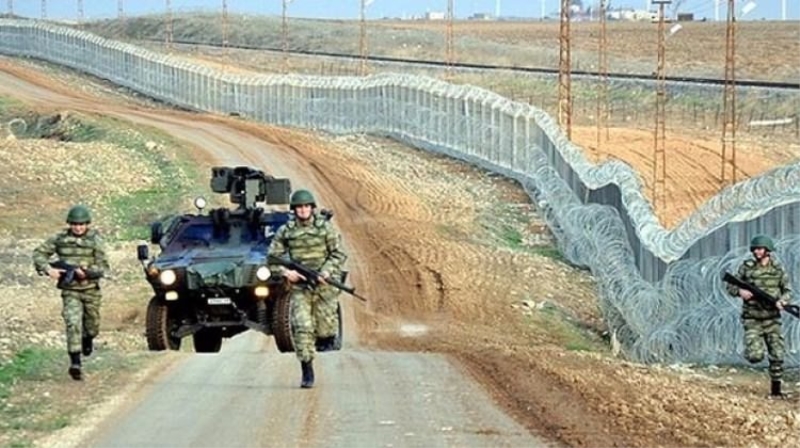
<point>156,232</point>
<point>142,252</point>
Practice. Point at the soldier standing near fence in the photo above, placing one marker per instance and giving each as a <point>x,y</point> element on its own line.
<point>762,322</point>
<point>310,239</point>
<point>81,263</point>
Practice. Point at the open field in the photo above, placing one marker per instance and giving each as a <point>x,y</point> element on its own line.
<point>427,265</point>
<point>766,51</point>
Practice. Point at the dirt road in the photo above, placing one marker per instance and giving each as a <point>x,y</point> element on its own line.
<point>248,394</point>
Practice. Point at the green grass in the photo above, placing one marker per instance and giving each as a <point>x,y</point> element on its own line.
<point>29,364</point>
<point>564,330</point>
<point>30,402</point>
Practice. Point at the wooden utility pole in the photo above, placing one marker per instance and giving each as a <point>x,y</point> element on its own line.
<point>728,172</point>
<point>602,68</point>
<point>659,136</point>
<point>450,53</point>
<point>565,72</point>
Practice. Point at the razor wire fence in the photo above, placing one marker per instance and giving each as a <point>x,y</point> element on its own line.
<point>660,289</point>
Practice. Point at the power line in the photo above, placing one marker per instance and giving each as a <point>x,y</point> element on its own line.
<point>564,72</point>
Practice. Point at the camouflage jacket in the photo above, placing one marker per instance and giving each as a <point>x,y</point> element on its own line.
<point>87,252</point>
<point>772,278</point>
<point>315,244</point>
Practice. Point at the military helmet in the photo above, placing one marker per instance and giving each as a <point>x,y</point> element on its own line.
<point>79,214</point>
<point>302,197</point>
<point>762,241</point>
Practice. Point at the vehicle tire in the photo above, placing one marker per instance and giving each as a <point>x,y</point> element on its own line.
<point>159,325</point>
<point>282,323</point>
<point>208,340</point>
<point>262,316</point>
<point>339,340</point>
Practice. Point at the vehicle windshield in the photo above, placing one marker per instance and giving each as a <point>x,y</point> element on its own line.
<point>204,233</point>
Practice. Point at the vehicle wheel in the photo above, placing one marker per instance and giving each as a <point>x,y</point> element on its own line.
<point>282,323</point>
<point>207,341</point>
<point>159,326</point>
<point>339,340</point>
<point>261,313</point>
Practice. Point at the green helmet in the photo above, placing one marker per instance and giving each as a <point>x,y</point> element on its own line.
<point>302,197</point>
<point>762,241</point>
<point>79,214</point>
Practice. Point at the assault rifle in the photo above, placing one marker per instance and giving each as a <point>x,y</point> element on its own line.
<point>68,276</point>
<point>313,277</point>
<point>760,294</point>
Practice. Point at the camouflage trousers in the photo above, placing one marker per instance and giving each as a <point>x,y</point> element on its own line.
<point>760,332</point>
<point>313,315</point>
<point>81,312</point>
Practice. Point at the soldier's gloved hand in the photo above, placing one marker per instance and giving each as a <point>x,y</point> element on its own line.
<point>745,294</point>
<point>293,276</point>
<point>54,273</point>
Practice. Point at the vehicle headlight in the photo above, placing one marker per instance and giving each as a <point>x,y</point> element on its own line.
<point>263,273</point>
<point>167,277</point>
<point>200,202</point>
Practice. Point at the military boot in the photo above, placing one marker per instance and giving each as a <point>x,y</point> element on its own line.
<point>326,344</point>
<point>308,375</point>
<point>775,389</point>
<point>87,345</point>
<point>75,366</point>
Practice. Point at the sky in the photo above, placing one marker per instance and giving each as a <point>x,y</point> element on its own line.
<point>343,9</point>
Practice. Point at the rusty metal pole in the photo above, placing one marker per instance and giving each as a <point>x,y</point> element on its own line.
<point>659,136</point>
<point>602,68</point>
<point>729,102</point>
<point>450,50</point>
<point>285,37</point>
<point>168,36</point>
<point>362,40</point>
<point>565,72</point>
<point>225,26</point>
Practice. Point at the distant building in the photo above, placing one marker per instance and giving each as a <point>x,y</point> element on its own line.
<point>435,15</point>
<point>481,16</point>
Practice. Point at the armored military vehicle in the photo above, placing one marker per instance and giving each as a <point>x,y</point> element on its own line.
<point>211,279</point>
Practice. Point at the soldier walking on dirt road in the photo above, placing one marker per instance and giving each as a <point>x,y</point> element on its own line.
<point>762,322</point>
<point>310,239</point>
<point>81,263</point>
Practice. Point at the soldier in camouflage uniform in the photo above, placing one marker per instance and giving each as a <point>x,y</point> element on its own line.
<point>310,239</point>
<point>762,323</point>
<point>82,248</point>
